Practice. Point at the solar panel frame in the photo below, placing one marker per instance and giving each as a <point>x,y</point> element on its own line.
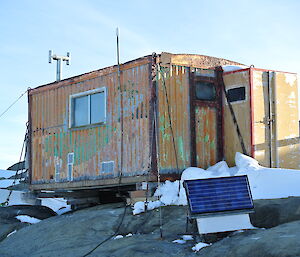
<point>236,181</point>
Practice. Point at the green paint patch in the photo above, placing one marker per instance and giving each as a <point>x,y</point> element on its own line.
<point>181,148</point>
<point>166,137</point>
<point>46,144</point>
<point>206,138</point>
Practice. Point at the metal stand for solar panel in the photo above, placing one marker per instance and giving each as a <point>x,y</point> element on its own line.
<point>219,204</point>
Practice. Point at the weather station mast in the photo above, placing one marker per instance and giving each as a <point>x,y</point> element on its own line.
<point>59,59</point>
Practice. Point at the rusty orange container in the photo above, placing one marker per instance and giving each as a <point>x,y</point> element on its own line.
<point>162,112</point>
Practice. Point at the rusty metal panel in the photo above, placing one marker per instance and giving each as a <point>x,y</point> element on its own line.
<point>261,119</point>
<point>242,112</point>
<point>206,117</point>
<point>287,120</point>
<point>194,60</point>
<point>276,128</point>
<point>52,139</point>
<point>173,97</point>
<point>206,136</point>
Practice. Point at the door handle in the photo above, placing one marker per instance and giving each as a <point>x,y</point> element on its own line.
<point>266,121</point>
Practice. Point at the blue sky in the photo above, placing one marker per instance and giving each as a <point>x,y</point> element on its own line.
<point>263,33</point>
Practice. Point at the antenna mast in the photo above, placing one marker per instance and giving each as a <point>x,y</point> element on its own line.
<point>121,108</point>
<point>59,60</point>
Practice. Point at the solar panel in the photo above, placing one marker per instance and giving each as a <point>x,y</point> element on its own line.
<point>215,195</point>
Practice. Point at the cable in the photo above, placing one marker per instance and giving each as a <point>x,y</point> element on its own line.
<point>6,110</point>
<point>110,237</point>
<point>122,147</point>
<point>152,128</point>
<point>158,173</point>
<point>170,122</point>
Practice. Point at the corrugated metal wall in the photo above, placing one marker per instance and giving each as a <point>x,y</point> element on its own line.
<point>242,113</point>
<point>206,136</point>
<point>52,139</point>
<point>276,131</point>
<point>274,117</point>
<point>173,84</point>
<point>288,140</point>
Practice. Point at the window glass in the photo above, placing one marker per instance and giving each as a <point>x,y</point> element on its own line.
<point>80,111</point>
<point>98,107</point>
<point>88,108</point>
<point>205,91</point>
<point>236,94</point>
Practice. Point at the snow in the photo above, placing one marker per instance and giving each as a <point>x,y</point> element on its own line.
<point>183,240</point>
<point>27,219</point>
<point>199,246</point>
<point>167,193</point>
<point>139,207</point>
<point>59,205</point>
<point>264,182</point>
<point>187,237</point>
<point>229,68</point>
<point>7,173</point>
<point>244,162</point>
<point>118,237</point>
<point>11,233</point>
<point>5,183</point>
<point>15,198</point>
<point>179,241</point>
<point>63,210</point>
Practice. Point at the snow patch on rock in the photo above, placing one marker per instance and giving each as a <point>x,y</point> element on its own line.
<point>199,246</point>
<point>179,241</point>
<point>27,219</point>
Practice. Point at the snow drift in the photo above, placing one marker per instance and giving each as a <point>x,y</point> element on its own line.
<point>265,183</point>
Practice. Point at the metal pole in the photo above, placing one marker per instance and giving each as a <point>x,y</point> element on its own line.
<point>118,51</point>
<point>121,108</point>
<point>58,70</point>
<point>59,60</point>
<point>269,121</point>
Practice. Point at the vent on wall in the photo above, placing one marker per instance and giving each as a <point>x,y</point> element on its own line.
<point>107,167</point>
<point>57,172</point>
<point>70,159</point>
<point>70,172</point>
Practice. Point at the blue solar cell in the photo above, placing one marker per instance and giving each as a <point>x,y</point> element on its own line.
<point>218,194</point>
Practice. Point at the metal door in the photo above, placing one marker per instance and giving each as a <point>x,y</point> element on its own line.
<point>206,118</point>
<point>276,131</point>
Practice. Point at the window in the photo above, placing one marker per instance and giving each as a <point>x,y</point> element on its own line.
<point>236,94</point>
<point>205,91</point>
<point>88,108</point>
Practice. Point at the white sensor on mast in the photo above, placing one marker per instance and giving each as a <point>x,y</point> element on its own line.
<point>59,60</point>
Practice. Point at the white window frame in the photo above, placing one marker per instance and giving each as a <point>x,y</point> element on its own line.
<point>86,93</point>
